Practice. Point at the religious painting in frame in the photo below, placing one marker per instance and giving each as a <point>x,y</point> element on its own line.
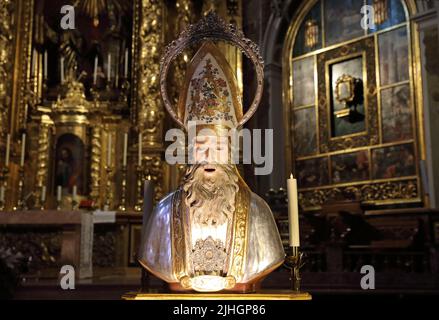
<point>305,131</point>
<point>69,164</point>
<point>394,161</point>
<point>393,56</point>
<point>342,20</point>
<point>350,167</point>
<point>364,90</point>
<point>303,82</point>
<point>312,172</point>
<point>396,114</point>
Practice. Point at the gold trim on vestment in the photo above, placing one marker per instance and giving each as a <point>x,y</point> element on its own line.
<point>180,235</point>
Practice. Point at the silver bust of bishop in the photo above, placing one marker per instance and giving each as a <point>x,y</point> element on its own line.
<point>213,233</point>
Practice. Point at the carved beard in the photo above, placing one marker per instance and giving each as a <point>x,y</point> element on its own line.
<point>211,195</point>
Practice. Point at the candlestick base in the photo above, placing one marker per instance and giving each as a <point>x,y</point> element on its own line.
<point>21,202</point>
<point>294,261</point>
<point>74,205</point>
<point>108,189</point>
<point>4,183</point>
<point>58,203</point>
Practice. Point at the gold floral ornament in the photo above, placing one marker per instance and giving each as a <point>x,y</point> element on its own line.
<point>210,94</point>
<point>209,256</point>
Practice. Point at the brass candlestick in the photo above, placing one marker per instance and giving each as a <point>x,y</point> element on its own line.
<point>108,192</point>
<point>74,203</point>
<point>42,200</point>
<point>122,205</point>
<point>294,261</point>
<point>4,183</point>
<point>58,203</point>
<point>2,202</point>
<point>139,197</point>
<point>125,89</point>
<point>21,203</point>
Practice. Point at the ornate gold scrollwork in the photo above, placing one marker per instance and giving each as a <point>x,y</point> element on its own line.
<point>154,169</point>
<point>43,153</point>
<point>6,45</point>
<point>371,192</point>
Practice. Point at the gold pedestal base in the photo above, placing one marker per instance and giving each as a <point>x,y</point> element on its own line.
<point>264,295</point>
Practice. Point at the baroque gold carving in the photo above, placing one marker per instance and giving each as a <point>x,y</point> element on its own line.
<point>374,192</point>
<point>184,18</point>
<point>95,166</point>
<point>149,109</point>
<point>154,169</point>
<point>20,92</point>
<point>6,45</point>
<point>43,153</point>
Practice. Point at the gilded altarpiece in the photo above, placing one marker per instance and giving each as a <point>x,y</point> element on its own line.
<point>76,93</point>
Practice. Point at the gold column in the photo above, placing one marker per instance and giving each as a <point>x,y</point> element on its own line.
<point>22,62</point>
<point>185,16</point>
<point>6,43</point>
<point>95,167</point>
<point>43,155</point>
<point>148,44</point>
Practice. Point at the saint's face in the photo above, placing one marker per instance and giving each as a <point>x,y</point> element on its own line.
<point>210,151</point>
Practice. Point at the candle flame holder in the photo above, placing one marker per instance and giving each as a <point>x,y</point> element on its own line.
<point>293,262</point>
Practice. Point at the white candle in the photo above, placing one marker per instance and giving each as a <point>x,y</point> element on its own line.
<point>125,148</point>
<point>2,193</point>
<point>8,149</point>
<point>109,150</point>
<point>140,150</point>
<point>75,191</point>
<point>58,193</point>
<point>62,69</point>
<point>293,212</point>
<point>45,65</point>
<point>95,70</point>
<point>109,67</point>
<point>126,64</point>
<point>43,194</point>
<point>23,148</point>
